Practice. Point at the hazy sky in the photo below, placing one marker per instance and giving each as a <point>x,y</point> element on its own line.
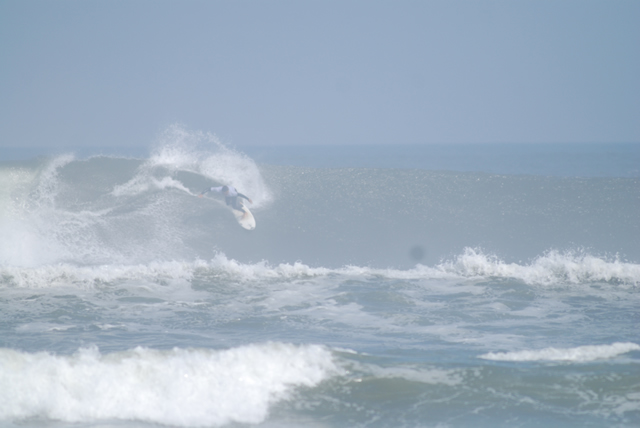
<point>103,73</point>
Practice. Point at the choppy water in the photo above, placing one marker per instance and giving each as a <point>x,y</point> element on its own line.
<point>382,297</point>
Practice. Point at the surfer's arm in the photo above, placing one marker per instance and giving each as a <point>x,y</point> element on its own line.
<point>243,196</point>
<point>211,189</point>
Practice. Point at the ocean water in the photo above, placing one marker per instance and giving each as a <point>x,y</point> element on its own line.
<point>484,286</point>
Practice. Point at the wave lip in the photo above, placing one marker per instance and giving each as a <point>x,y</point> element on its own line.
<point>580,354</point>
<point>181,387</point>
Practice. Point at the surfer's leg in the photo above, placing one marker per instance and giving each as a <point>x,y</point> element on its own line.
<point>236,205</point>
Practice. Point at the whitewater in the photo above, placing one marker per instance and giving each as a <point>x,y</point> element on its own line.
<point>397,287</point>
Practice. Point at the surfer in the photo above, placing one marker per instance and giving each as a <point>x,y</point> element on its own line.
<point>231,196</point>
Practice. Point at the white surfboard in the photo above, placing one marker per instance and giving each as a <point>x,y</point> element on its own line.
<point>245,219</point>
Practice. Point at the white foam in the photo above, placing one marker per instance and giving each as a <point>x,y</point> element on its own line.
<point>551,268</point>
<point>579,354</point>
<point>64,275</point>
<point>182,387</point>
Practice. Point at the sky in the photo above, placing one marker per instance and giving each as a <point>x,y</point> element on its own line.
<point>273,72</point>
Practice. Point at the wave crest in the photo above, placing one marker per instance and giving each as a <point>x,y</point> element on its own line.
<point>183,387</point>
<point>551,268</point>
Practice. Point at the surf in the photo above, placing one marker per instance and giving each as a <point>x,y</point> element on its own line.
<point>364,296</point>
<point>121,210</point>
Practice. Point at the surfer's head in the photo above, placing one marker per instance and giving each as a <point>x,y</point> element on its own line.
<point>225,189</point>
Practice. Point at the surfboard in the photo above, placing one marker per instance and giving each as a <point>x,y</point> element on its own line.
<point>245,219</point>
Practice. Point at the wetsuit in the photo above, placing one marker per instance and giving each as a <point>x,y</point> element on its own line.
<point>232,198</point>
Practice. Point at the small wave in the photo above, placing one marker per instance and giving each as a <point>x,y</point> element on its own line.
<point>547,270</point>
<point>551,268</point>
<point>182,387</point>
<point>579,354</point>
<point>65,274</point>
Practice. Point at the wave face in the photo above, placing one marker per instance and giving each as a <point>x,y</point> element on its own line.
<point>115,210</point>
<point>364,297</point>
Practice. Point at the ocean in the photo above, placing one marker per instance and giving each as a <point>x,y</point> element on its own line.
<point>485,285</point>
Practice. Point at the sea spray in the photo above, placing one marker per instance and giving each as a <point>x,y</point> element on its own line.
<point>180,151</point>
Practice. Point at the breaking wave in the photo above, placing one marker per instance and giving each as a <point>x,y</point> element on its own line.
<point>182,387</point>
<point>551,269</point>
<point>75,217</point>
